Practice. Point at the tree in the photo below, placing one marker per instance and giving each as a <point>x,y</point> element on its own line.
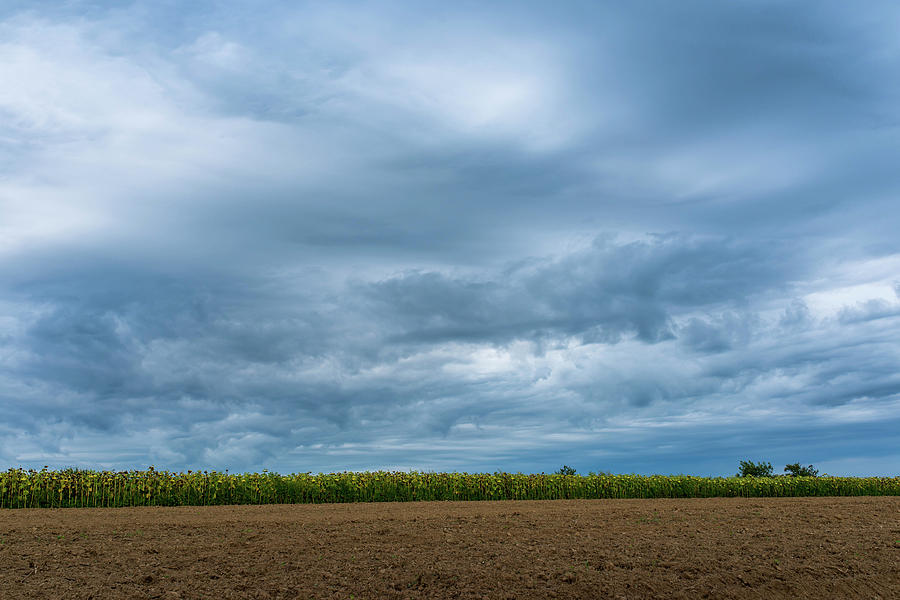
<point>752,469</point>
<point>566,470</point>
<point>795,470</point>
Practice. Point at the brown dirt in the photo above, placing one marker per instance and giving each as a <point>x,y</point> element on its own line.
<point>701,548</point>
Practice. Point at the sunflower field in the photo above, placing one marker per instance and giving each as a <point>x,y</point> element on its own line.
<point>73,488</point>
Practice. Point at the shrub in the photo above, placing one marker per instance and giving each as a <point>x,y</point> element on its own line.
<point>752,469</point>
<point>795,470</point>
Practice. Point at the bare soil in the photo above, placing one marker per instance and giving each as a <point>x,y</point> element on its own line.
<point>700,548</point>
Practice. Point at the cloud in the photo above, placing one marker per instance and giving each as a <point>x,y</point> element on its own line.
<point>602,293</point>
<point>241,372</point>
<point>453,237</point>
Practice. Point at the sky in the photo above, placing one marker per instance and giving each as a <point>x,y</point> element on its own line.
<point>645,237</point>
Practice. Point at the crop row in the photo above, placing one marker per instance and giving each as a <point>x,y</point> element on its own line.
<point>81,488</point>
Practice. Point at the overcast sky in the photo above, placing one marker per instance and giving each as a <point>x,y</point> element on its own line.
<point>650,237</point>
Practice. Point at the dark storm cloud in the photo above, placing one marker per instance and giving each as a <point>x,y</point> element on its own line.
<point>600,293</point>
<point>649,237</point>
<point>770,61</point>
<point>716,334</point>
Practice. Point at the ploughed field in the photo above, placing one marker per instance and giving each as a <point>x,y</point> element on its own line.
<point>818,547</point>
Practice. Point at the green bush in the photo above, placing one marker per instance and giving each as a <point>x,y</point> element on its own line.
<point>795,470</point>
<point>752,469</point>
<point>566,470</point>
